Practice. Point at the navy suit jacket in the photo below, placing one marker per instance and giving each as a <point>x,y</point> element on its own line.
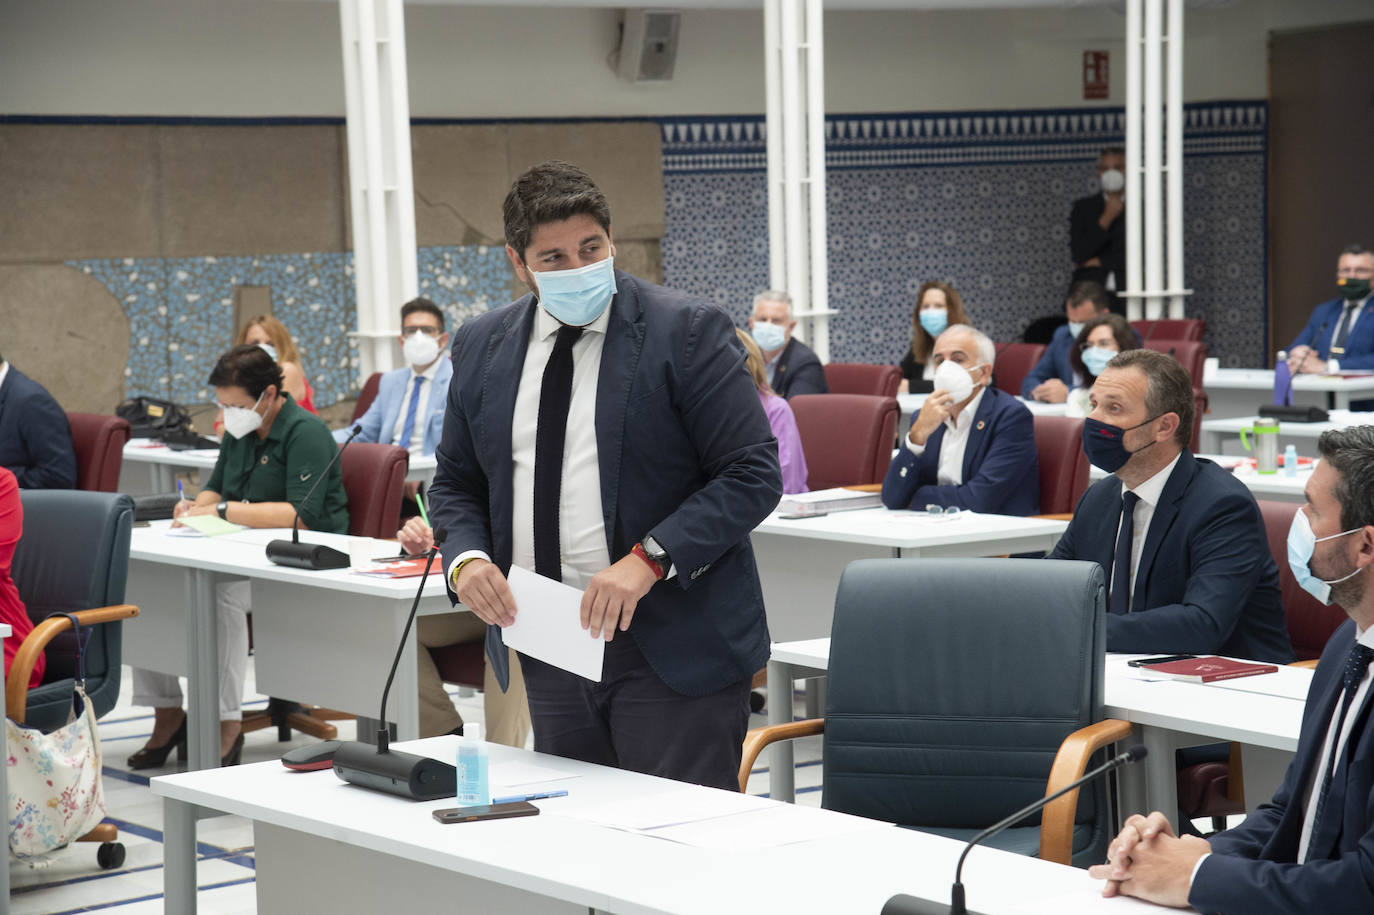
<point>686,456</point>
<point>1206,583</point>
<point>1001,470</point>
<point>1253,867</point>
<point>1054,363</point>
<point>799,371</point>
<point>1359,345</point>
<point>35,437</point>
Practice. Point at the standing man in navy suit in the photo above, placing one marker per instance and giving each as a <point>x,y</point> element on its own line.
<point>972,446</point>
<point>1311,848</point>
<point>1181,540</point>
<point>35,437</point>
<point>1340,334</point>
<point>1054,375</point>
<point>604,431</point>
<point>792,367</point>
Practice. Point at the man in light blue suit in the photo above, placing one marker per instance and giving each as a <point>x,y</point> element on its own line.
<point>1054,375</point>
<point>1310,848</point>
<point>409,407</point>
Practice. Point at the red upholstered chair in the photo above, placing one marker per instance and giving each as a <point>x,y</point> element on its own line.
<point>1171,329</point>
<point>861,378</point>
<point>1190,354</point>
<point>847,438</point>
<point>99,442</point>
<point>1200,407</point>
<point>1013,363</point>
<point>1063,465</point>
<point>366,396</point>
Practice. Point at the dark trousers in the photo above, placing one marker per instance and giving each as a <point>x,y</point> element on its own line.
<point>633,720</point>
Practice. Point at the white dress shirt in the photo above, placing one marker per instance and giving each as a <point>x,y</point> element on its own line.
<point>1149,493</point>
<point>425,380</point>
<point>581,530</point>
<point>1334,365</point>
<point>954,444</point>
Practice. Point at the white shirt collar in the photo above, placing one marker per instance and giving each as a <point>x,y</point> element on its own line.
<point>546,325</point>
<point>1150,491</point>
<point>4,370</point>
<point>955,423</point>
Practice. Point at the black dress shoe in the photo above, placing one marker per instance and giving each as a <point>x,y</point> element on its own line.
<point>154,757</point>
<point>235,752</point>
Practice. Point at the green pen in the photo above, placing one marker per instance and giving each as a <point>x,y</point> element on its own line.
<point>420,499</point>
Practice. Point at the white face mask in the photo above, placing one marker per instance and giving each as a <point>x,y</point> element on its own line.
<point>1113,181</point>
<point>269,349</point>
<point>420,349</point>
<point>954,379</point>
<point>243,421</point>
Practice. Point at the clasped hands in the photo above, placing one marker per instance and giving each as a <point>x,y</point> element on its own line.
<point>1148,861</point>
<point>1304,360</point>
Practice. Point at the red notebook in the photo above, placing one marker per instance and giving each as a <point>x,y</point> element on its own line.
<point>1210,669</point>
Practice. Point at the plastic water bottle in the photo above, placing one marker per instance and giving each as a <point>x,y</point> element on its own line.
<point>1290,461</point>
<point>474,789</point>
<point>1283,380</point>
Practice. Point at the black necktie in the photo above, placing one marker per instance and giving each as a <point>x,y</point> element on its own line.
<point>1343,329</point>
<point>1355,667</point>
<point>555,394</point>
<point>1121,562</point>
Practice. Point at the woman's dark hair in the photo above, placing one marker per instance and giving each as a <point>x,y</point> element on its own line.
<point>249,367</point>
<point>1121,331</point>
<point>921,340</point>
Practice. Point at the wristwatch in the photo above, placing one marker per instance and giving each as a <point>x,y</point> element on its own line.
<point>222,508</point>
<point>657,553</point>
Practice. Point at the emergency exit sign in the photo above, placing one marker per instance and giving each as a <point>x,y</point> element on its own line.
<point>1096,75</point>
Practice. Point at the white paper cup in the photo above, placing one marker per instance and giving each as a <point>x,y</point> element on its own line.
<point>360,552</point>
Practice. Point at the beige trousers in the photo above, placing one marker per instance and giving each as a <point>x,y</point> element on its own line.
<point>507,714</point>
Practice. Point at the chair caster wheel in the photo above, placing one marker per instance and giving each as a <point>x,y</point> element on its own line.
<point>110,855</point>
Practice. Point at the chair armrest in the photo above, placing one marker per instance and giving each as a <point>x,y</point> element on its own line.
<point>758,738</point>
<point>866,487</point>
<point>1062,516</point>
<point>1056,820</point>
<point>1305,665</point>
<point>17,681</point>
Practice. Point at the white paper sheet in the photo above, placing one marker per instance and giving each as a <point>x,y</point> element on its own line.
<point>670,807</point>
<point>767,827</point>
<point>517,774</point>
<point>548,625</point>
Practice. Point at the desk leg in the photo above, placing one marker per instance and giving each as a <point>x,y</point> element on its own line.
<point>1210,442</point>
<point>1341,400</point>
<point>202,658</point>
<point>179,857</point>
<point>781,785</point>
<point>1161,772</point>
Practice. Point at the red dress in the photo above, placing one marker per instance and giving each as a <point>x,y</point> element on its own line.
<point>11,607</point>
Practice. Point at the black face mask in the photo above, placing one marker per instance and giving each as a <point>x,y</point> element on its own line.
<point>1352,289</point>
<point>1104,444</point>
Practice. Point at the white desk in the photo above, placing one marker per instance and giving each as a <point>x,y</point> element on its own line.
<point>1264,713</point>
<point>150,468</point>
<point>1274,486</point>
<point>910,405</point>
<point>1222,436</point>
<point>1239,392</point>
<point>367,852</point>
<point>324,638</point>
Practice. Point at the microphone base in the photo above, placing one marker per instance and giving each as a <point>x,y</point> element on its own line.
<point>306,555</point>
<point>417,778</point>
<point>901,904</point>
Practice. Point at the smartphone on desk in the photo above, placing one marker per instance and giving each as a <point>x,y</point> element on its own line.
<point>1141,662</point>
<point>487,812</point>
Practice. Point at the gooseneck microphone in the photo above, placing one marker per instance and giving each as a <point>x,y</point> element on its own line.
<point>418,778</point>
<point>910,905</point>
<point>311,555</point>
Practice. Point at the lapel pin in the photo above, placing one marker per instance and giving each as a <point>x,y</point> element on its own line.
<point>980,425</point>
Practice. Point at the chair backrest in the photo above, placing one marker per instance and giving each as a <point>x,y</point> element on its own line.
<point>1201,404</point>
<point>366,396</point>
<point>953,682</point>
<point>1171,329</point>
<point>846,438</point>
<point>74,555</point>
<point>1063,465</point>
<point>861,378</point>
<point>1190,354</point>
<point>374,478</point>
<point>1013,363</point>
<point>98,441</point>
<point>1310,622</point>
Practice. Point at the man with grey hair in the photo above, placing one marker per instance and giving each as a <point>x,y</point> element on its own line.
<point>792,367</point>
<point>1181,539</point>
<point>972,446</point>
<point>1309,848</point>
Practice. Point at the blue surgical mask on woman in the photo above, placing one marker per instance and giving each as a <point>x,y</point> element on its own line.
<point>1095,359</point>
<point>934,320</point>
<point>578,296</point>
<point>768,336</point>
<point>1301,543</point>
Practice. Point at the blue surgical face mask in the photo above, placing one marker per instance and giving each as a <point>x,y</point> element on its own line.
<point>579,296</point>
<point>1301,543</point>
<point>1095,359</point>
<point>1076,328</point>
<point>768,336</point>
<point>269,349</point>
<point>1103,444</point>
<point>934,320</point>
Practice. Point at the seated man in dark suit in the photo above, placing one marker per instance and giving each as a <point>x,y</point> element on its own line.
<point>1054,375</point>
<point>35,437</point>
<point>1340,334</point>
<point>1310,848</point>
<point>971,446</point>
<point>1189,569</point>
<point>793,368</point>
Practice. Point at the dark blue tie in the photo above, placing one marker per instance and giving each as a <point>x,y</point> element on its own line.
<point>555,396</point>
<point>408,427</point>
<point>1355,667</point>
<point>1121,562</point>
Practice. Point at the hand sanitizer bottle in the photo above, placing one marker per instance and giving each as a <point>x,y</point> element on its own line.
<point>474,790</point>
<point>1290,461</point>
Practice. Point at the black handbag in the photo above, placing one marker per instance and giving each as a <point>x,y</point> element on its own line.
<point>149,417</point>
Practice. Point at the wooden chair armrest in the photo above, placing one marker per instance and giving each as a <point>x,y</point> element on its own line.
<point>1056,820</point>
<point>758,738</point>
<point>1061,516</point>
<point>1310,664</point>
<point>866,487</point>
<point>17,681</point>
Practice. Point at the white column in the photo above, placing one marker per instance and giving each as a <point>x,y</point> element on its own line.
<point>381,189</point>
<point>1133,185</point>
<point>1153,203</point>
<point>1174,159</point>
<point>772,70</point>
<point>815,176</point>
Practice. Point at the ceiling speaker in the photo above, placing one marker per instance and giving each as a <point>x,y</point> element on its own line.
<point>648,45</point>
